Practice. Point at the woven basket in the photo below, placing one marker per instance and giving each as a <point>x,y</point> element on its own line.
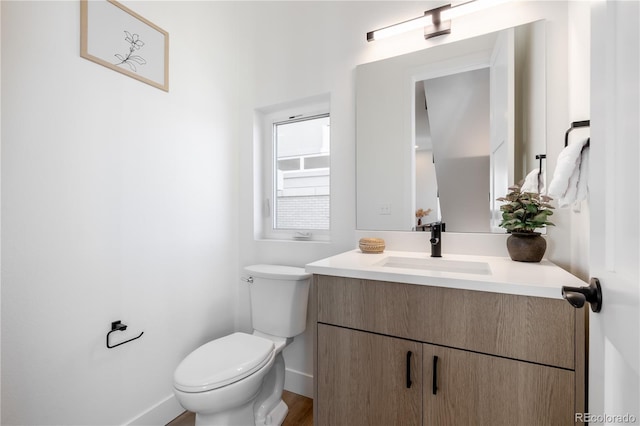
<point>371,245</point>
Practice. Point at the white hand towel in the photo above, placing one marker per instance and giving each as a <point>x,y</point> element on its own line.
<point>583,187</point>
<point>534,182</point>
<point>567,175</point>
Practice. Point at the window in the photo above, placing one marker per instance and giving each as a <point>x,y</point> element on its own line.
<point>301,148</point>
<point>296,175</point>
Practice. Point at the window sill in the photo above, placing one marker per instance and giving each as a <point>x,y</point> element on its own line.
<point>292,240</point>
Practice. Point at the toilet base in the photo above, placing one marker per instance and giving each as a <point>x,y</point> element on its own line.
<point>275,416</point>
<point>238,416</point>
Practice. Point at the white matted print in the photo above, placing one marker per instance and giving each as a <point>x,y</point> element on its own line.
<point>118,38</point>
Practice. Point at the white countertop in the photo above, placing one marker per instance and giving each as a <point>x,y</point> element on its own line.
<point>493,274</point>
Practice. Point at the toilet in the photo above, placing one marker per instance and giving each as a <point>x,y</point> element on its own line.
<point>238,379</point>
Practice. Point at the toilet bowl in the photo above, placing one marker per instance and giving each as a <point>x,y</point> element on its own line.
<point>238,379</point>
<point>220,380</point>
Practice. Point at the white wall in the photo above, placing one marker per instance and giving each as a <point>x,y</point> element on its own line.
<point>119,202</point>
<point>0,226</point>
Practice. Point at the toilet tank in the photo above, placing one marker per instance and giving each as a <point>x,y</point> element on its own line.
<point>279,298</point>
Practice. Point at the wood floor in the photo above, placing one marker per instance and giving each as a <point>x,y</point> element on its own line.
<point>300,412</point>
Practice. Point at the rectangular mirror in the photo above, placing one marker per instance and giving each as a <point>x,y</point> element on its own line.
<point>448,129</point>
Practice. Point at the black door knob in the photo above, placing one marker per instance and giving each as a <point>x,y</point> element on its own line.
<point>577,296</point>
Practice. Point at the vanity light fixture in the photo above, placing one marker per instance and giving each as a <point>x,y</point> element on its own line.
<point>436,22</point>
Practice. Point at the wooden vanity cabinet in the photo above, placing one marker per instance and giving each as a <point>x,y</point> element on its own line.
<point>477,389</point>
<point>359,366</point>
<point>501,359</point>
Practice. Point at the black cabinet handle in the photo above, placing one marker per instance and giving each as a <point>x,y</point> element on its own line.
<point>409,369</point>
<point>435,375</point>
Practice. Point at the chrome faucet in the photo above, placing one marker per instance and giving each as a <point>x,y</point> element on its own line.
<point>437,228</point>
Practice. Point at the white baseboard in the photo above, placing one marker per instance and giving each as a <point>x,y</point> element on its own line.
<point>298,382</point>
<point>160,414</point>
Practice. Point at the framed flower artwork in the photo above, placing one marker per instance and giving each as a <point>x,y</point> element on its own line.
<point>118,38</point>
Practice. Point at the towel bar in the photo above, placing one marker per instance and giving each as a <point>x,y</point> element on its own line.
<point>575,125</point>
<point>540,157</point>
<point>118,326</point>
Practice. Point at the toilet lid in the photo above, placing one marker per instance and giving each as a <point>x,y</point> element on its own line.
<point>222,362</point>
<point>277,272</point>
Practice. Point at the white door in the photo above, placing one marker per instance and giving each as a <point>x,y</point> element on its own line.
<point>614,183</point>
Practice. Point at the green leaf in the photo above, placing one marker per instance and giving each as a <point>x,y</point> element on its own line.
<point>524,211</point>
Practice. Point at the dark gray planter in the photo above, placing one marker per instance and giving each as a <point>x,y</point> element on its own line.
<point>526,246</point>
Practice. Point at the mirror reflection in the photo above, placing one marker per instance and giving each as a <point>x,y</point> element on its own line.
<point>441,133</point>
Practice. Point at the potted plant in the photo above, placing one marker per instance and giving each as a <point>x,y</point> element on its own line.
<point>522,214</point>
<point>420,213</point>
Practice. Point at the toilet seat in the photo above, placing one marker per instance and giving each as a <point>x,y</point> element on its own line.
<point>223,361</point>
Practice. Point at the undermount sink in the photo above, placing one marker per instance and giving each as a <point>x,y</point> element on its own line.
<point>436,264</point>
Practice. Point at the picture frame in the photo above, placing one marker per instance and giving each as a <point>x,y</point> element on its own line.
<point>116,37</point>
